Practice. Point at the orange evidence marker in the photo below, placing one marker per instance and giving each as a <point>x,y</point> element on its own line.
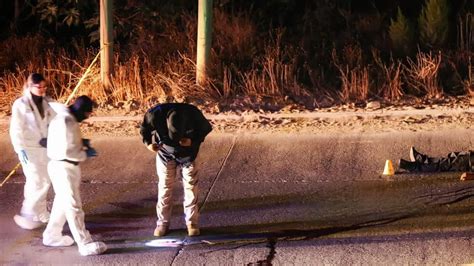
<point>467,176</point>
<point>388,169</point>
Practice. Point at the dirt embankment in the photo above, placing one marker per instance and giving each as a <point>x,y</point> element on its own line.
<point>373,117</point>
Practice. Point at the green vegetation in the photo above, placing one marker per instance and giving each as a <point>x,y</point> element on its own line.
<point>402,35</point>
<point>434,23</point>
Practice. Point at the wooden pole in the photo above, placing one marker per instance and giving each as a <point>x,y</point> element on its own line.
<point>204,37</point>
<point>106,43</point>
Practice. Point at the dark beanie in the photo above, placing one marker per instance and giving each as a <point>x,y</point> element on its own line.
<point>35,78</point>
<point>83,104</point>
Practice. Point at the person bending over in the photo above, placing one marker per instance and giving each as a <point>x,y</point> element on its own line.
<point>175,131</point>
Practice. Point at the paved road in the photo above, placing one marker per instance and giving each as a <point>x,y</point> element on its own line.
<point>281,199</point>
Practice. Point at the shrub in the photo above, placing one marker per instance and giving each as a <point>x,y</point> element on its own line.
<point>433,23</point>
<point>422,74</point>
<point>355,78</point>
<point>401,34</point>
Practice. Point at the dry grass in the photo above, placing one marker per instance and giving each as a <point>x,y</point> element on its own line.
<point>422,74</point>
<point>127,81</point>
<point>355,83</point>
<point>391,87</point>
<point>61,72</point>
<point>11,86</point>
<point>242,67</point>
<point>469,82</point>
<point>273,80</point>
<point>234,37</point>
<point>466,43</point>
<point>227,83</point>
<point>276,78</point>
<point>136,79</point>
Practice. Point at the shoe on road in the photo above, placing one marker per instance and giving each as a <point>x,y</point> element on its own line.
<point>161,230</point>
<point>415,156</point>
<point>63,241</point>
<point>27,223</point>
<point>193,230</point>
<point>408,166</point>
<point>93,248</point>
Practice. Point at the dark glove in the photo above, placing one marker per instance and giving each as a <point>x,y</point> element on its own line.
<point>91,152</point>
<point>43,142</point>
<point>86,143</point>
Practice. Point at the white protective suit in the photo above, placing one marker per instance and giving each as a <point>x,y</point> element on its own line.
<point>65,143</point>
<point>27,128</point>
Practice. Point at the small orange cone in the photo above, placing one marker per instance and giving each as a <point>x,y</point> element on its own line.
<point>388,170</point>
<point>467,176</point>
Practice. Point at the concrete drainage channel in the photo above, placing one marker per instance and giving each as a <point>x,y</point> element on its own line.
<point>267,157</point>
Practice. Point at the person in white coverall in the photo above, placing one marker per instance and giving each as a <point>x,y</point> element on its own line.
<point>31,115</point>
<point>66,150</point>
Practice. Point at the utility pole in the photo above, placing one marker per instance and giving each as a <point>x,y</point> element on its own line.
<point>204,37</point>
<point>106,43</point>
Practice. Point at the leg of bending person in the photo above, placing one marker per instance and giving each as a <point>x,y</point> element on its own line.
<point>166,171</point>
<point>190,206</point>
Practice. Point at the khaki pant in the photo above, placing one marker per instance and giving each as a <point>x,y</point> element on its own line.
<point>166,171</point>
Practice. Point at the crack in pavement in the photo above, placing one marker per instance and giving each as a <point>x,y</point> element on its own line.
<point>271,254</point>
<point>179,251</point>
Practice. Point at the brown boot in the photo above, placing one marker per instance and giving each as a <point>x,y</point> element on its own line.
<point>161,230</point>
<point>193,230</point>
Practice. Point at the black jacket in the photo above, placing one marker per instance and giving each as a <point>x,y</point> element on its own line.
<point>154,126</point>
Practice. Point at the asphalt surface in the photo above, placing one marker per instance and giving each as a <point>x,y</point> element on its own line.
<point>266,199</point>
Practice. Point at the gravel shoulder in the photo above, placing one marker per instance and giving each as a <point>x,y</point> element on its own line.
<point>342,120</point>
